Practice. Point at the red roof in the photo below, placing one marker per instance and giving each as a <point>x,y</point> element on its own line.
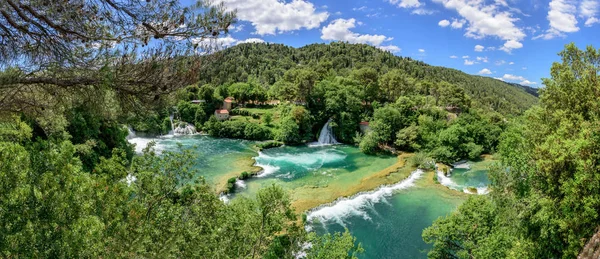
<point>222,111</point>
<point>229,99</point>
<point>364,123</point>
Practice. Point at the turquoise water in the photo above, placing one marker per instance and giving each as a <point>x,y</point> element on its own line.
<point>215,158</point>
<point>462,178</point>
<point>388,226</point>
<point>387,221</point>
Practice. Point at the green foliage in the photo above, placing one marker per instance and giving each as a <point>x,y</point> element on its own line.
<point>291,75</point>
<point>422,161</point>
<point>269,144</point>
<point>267,118</point>
<point>237,129</point>
<point>338,245</point>
<point>545,196</point>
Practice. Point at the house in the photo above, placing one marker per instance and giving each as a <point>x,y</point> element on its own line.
<point>227,103</point>
<point>222,114</point>
<point>364,126</point>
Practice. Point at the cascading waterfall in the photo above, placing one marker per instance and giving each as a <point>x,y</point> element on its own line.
<point>326,136</point>
<point>185,128</point>
<point>172,126</point>
<point>131,133</point>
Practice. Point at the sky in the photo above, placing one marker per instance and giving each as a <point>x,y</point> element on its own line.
<point>511,40</point>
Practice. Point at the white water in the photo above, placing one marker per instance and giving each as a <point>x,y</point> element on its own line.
<point>240,184</point>
<point>172,126</point>
<point>184,129</point>
<point>326,136</point>
<point>448,182</point>
<point>358,204</point>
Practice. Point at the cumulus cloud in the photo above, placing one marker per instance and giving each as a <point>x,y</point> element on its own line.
<point>486,20</point>
<point>208,45</point>
<point>465,56</point>
<point>273,16</point>
<point>406,3</point>
<point>457,24</point>
<point>362,8</point>
<point>250,40</point>
<point>511,63</point>
<point>520,79</point>
<point>485,71</point>
<point>561,15</point>
<point>479,48</point>
<point>588,10</point>
<point>527,82</point>
<point>482,59</point>
<point>453,56</point>
<point>421,50</point>
<point>500,62</point>
<point>339,30</point>
<point>390,48</point>
<point>444,23</point>
<point>469,62</point>
<point>510,45</point>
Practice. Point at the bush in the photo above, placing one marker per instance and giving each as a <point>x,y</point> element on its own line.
<point>422,161</point>
<point>269,144</point>
<point>369,144</point>
<point>231,185</point>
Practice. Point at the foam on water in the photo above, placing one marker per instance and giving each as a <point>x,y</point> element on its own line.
<point>240,184</point>
<point>448,182</point>
<point>310,161</point>
<point>358,204</point>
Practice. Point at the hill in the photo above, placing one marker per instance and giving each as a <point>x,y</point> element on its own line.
<point>269,62</point>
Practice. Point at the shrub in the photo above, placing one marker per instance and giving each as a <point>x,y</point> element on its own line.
<point>269,144</point>
<point>422,161</point>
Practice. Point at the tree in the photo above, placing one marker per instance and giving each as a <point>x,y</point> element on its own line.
<point>54,51</point>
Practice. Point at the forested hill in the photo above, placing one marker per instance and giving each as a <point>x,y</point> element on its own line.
<point>269,62</point>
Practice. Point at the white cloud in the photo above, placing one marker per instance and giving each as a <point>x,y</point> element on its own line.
<point>511,63</point>
<point>465,56</point>
<point>208,45</point>
<point>250,40</point>
<point>479,48</point>
<point>499,78</point>
<point>588,10</point>
<point>524,68</point>
<point>421,50</point>
<point>444,23</point>
<point>362,8</point>
<point>469,62</point>
<point>453,56</point>
<point>339,30</point>
<point>390,48</point>
<point>527,82</point>
<point>406,3</point>
<point>486,20</point>
<point>423,11</point>
<point>237,28</point>
<point>561,16</point>
<point>482,59</point>
<point>273,16</point>
<point>485,71</point>
<point>500,62</point>
<point>510,45</point>
<point>520,79</point>
<point>457,24</point>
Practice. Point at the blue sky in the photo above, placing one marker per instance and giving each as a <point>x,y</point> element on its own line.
<point>512,40</point>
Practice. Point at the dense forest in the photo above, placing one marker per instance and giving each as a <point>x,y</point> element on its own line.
<point>545,199</point>
<point>268,63</point>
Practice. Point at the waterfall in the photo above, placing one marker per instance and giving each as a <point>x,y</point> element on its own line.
<point>172,126</point>
<point>326,136</point>
<point>131,133</point>
<point>185,129</point>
